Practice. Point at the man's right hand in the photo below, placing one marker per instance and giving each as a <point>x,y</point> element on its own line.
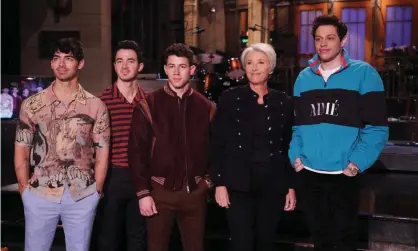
<point>222,197</point>
<point>147,206</point>
<point>298,165</point>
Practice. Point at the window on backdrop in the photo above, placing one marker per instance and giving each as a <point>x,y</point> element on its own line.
<point>398,25</point>
<point>306,42</point>
<point>355,19</point>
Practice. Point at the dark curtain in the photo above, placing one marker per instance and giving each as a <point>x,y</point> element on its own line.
<point>232,42</point>
<point>10,33</point>
<point>152,24</point>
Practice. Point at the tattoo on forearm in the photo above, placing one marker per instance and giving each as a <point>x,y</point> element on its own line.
<point>102,124</point>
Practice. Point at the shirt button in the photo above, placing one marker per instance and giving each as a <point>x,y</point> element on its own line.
<point>271,142</point>
<point>237,98</point>
<point>237,109</point>
<point>268,118</point>
<point>271,154</point>
<point>281,103</point>
<point>239,133</point>
<point>238,120</point>
<point>269,128</point>
<point>266,106</point>
<point>281,139</point>
<point>240,146</point>
<point>280,151</point>
<point>282,114</point>
<point>219,175</point>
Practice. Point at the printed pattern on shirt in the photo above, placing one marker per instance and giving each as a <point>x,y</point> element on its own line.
<point>62,140</point>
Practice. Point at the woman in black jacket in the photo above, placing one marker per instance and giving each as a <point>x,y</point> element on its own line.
<point>249,163</point>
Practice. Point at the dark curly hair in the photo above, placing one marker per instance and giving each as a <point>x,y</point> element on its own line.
<point>330,20</point>
<point>179,50</point>
<point>69,45</point>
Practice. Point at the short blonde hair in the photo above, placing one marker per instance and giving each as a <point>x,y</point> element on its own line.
<point>261,47</point>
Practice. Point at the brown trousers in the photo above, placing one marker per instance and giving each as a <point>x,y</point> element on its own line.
<point>187,209</point>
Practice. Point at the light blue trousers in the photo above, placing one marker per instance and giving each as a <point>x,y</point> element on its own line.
<point>41,219</point>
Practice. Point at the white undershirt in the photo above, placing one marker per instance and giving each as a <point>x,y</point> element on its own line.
<point>326,73</point>
<point>323,172</point>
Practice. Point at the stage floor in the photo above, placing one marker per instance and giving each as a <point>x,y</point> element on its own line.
<point>391,196</point>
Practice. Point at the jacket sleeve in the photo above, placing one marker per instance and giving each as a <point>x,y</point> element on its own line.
<point>139,152</point>
<point>296,141</point>
<point>212,112</point>
<point>218,137</point>
<point>373,136</point>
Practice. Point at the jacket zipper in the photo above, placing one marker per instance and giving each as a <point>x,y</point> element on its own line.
<point>185,142</point>
<point>326,82</point>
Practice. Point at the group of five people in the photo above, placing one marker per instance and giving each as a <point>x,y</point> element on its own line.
<point>166,150</point>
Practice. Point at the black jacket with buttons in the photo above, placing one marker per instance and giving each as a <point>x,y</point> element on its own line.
<point>232,139</point>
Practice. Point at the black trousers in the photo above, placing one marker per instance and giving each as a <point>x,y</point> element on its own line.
<point>119,223</point>
<point>253,216</point>
<point>331,206</point>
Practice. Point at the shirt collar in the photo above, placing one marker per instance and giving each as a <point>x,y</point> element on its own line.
<point>51,98</point>
<point>117,94</point>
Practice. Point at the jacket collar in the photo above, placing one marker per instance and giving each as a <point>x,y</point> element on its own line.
<point>314,62</point>
<point>253,94</point>
<point>172,93</point>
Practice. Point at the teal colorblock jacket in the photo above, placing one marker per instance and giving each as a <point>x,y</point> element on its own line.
<point>340,120</point>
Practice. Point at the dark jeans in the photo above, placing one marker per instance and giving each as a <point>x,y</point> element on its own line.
<point>120,225</point>
<point>253,216</point>
<point>331,206</point>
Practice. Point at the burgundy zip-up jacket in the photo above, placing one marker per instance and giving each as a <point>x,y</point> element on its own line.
<point>169,142</point>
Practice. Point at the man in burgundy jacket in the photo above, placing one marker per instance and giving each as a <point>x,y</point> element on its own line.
<point>168,155</point>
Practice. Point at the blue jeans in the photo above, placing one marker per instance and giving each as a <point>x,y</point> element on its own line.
<point>41,219</point>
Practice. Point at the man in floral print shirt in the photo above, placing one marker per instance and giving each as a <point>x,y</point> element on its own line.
<point>63,135</point>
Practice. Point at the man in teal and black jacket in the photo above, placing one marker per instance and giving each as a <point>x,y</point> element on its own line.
<point>340,129</point>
